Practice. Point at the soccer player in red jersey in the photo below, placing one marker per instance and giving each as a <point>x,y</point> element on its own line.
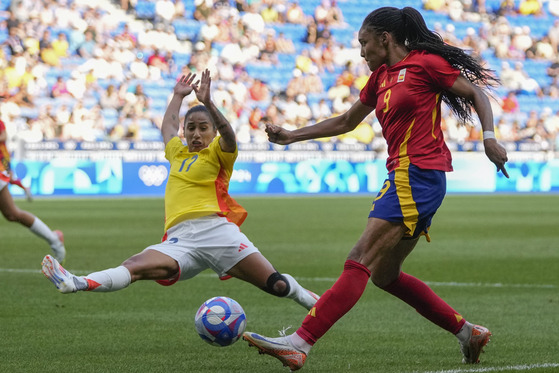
<point>413,71</point>
<point>12,213</point>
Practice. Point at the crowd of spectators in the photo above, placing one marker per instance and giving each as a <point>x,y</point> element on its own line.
<point>91,71</point>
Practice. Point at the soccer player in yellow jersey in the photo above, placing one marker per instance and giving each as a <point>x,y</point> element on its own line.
<point>201,219</point>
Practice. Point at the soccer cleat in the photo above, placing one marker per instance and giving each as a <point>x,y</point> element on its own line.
<point>280,348</point>
<point>58,249</point>
<point>471,350</point>
<point>62,279</point>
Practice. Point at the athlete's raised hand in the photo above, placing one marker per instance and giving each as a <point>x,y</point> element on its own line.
<point>185,85</point>
<point>203,90</point>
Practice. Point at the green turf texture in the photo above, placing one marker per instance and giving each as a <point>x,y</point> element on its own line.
<point>478,242</point>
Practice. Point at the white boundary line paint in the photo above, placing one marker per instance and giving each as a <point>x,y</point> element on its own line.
<point>332,280</point>
<point>497,369</point>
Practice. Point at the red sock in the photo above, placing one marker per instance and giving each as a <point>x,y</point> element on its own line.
<point>17,182</point>
<point>420,296</point>
<point>336,302</point>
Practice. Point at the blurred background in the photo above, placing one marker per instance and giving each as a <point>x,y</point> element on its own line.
<point>84,86</point>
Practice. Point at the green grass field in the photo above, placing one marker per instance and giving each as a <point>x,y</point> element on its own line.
<point>495,259</point>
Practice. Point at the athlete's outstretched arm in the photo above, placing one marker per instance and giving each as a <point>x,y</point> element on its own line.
<point>228,141</point>
<point>494,151</point>
<point>326,128</point>
<point>171,124</point>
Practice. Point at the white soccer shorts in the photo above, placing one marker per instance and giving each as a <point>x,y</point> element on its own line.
<point>207,242</point>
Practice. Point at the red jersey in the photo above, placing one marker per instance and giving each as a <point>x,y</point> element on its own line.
<point>407,99</point>
<point>4,154</point>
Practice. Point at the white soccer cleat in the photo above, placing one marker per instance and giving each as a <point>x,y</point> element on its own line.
<point>472,348</point>
<point>58,249</point>
<point>280,348</point>
<point>62,279</point>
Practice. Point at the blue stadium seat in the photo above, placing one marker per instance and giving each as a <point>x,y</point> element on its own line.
<point>344,36</point>
<point>151,134</point>
<point>187,29</point>
<point>29,112</point>
<point>5,4</point>
<point>296,33</point>
<point>145,9</point>
<point>3,35</point>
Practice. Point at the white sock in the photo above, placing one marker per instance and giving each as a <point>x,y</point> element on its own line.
<point>43,231</point>
<point>299,343</point>
<point>111,279</point>
<point>465,333</point>
<point>298,293</point>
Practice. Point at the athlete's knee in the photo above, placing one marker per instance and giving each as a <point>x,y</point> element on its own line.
<point>382,280</point>
<point>11,215</point>
<point>144,266</point>
<point>378,281</point>
<point>277,285</point>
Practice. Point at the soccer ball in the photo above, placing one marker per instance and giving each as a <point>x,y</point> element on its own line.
<point>220,321</point>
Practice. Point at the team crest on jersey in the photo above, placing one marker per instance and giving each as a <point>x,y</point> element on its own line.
<point>401,75</point>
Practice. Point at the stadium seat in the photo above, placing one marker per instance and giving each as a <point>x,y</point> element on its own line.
<point>29,112</point>
<point>187,29</point>
<point>5,4</point>
<point>145,10</point>
<point>151,134</point>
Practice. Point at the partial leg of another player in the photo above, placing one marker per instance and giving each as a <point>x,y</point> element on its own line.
<point>26,190</point>
<point>14,214</point>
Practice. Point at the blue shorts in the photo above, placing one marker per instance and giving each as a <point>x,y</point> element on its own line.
<point>410,196</point>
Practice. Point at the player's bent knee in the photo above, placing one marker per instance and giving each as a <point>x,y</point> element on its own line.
<point>277,285</point>
<point>10,216</point>
<point>382,281</point>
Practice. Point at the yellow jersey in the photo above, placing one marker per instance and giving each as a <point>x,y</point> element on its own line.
<point>198,183</point>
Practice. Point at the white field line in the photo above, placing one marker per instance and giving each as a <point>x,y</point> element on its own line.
<point>332,280</point>
<point>497,369</point>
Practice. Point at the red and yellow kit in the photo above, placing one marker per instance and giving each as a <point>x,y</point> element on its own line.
<point>407,98</point>
<point>4,154</point>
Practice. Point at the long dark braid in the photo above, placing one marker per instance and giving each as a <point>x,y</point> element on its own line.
<point>408,28</point>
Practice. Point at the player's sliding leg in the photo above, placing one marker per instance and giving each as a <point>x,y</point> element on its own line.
<point>112,279</point>
<point>257,270</point>
<point>416,293</point>
<point>299,294</point>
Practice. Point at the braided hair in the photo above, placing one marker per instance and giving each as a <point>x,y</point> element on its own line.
<point>408,28</point>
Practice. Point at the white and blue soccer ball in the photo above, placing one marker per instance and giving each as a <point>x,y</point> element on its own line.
<point>220,321</point>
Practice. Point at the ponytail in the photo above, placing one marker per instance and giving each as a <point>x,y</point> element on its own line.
<point>408,28</point>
